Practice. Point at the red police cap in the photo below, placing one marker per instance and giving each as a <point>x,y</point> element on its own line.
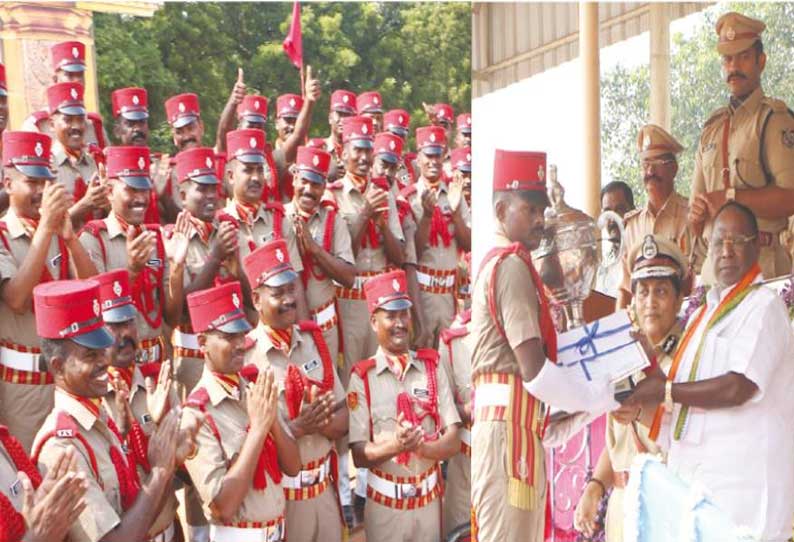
<point>70,309</point>
<point>461,159</point>
<point>344,101</point>
<point>219,308</point>
<point>3,87</point>
<point>313,164</point>
<point>68,56</point>
<point>288,105</point>
<point>316,143</point>
<point>197,165</point>
<point>28,152</point>
<point>389,146</point>
<point>369,102</point>
<point>519,170</point>
<point>130,164</point>
<point>387,291</point>
<point>269,265</point>
<point>431,139</point>
<point>464,123</point>
<point>397,121</point>
<point>246,145</point>
<point>132,103</point>
<point>443,112</point>
<point>182,109</point>
<point>66,97</point>
<point>253,108</point>
<point>358,130</point>
<point>115,296</point>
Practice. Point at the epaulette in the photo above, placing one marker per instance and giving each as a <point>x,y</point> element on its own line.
<point>428,355</point>
<point>198,398</point>
<point>250,372</point>
<point>631,214</point>
<point>776,105</point>
<point>329,203</point>
<point>65,425</point>
<point>447,335</point>
<point>408,191</point>
<point>276,206</point>
<point>716,115</point>
<point>363,367</point>
<point>308,326</point>
<point>150,370</point>
<point>223,216</point>
<point>94,227</point>
<point>336,185</point>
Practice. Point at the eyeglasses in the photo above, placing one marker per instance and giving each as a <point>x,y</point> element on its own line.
<point>739,242</point>
<point>656,163</point>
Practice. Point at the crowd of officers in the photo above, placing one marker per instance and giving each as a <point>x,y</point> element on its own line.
<point>232,322</point>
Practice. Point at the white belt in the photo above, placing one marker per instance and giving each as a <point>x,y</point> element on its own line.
<point>165,536</point>
<point>435,282</point>
<point>308,478</point>
<point>185,340</point>
<point>325,315</point>
<point>491,394</point>
<point>358,282</point>
<point>151,353</point>
<point>21,361</point>
<point>274,533</point>
<point>402,491</point>
<point>465,436</point>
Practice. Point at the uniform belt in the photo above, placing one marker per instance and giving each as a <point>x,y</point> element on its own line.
<point>185,340</point>
<point>414,488</point>
<point>249,531</point>
<point>357,291</point>
<point>20,360</point>
<point>167,535</point>
<point>325,315</point>
<point>620,479</point>
<point>435,279</point>
<point>151,350</point>
<point>491,394</point>
<point>316,473</point>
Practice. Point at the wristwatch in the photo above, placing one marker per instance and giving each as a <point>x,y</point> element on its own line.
<point>730,194</point>
<point>668,396</point>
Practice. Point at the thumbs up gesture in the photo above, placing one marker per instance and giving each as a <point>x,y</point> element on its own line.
<point>239,90</point>
<point>312,89</point>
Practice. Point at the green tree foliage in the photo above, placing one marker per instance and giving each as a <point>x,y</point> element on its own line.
<point>697,89</point>
<point>410,52</point>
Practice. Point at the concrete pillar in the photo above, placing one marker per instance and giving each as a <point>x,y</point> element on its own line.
<point>660,64</point>
<point>591,87</point>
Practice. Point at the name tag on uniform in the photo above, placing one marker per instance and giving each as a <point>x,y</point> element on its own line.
<point>269,236</point>
<point>146,418</point>
<point>421,393</point>
<point>16,488</point>
<point>56,261</point>
<point>155,262</point>
<point>310,366</point>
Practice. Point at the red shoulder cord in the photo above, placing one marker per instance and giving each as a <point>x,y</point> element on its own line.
<point>296,382</point>
<point>309,269</point>
<point>439,228</point>
<point>126,473</point>
<point>147,282</point>
<point>12,524</point>
<point>408,404</point>
<point>46,276</point>
<point>274,191</point>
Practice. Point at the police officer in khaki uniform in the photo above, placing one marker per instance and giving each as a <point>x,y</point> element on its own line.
<point>665,214</point>
<point>243,446</point>
<point>343,105</point>
<point>122,241</point>
<point>659,282</point>
<point>74,339</point>
<point>311,397</point>
<point>37,244</point>
<point>455,352</point>
<point>443,227</point>
<point>134,404</point>
<point>746,149</point>
<point>513,334</point>
<point>403,422</point>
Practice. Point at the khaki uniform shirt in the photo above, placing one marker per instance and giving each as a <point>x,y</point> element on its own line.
<point>114,240</point>
<point>304,354</point>
<point>103,499</point>
<point>69,169</point>
<point>208,467</point>
<point>670,222</point>
<point>320,291</point>
<point>262,231</point>
<point>517,309</point>
<point>21,328</point>
<point>10,486</point>
<point>384,388</point>
<point>351,202</point>
<point>456,361</point>
<point>752,163</point>
<point>438,257</point>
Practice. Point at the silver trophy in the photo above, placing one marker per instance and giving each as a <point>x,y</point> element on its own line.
<point>570,252</point>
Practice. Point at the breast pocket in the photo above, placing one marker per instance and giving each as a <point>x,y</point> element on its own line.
<point>747,169</point>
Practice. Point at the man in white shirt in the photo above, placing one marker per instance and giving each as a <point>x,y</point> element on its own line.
<point>726,407</point>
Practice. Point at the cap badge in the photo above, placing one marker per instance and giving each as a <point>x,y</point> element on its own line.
<point>395,285</point>
<point>96,307</point>
<point>135,99</point>
<point>468,120</point>
<point>730,33</point>
<point>235,300</point>
<point>279,255</point>
<point>292,102</point>
<point>513,185</point>
<point>38,149</point>
<point>73,93</point>
<point>252,142</point>
<point>541,173</point>
<point>364,129</point>
<point>392,145</point>
<point>208,161</point>
<point>256,104</point>
<point>181,107</point>
<point>468,157</point>
<point>117,288</point>
<point>345,98</point>
<point>441,113</point>
<point>649,248</point>
<point>401,119</point>
<point>375,100</point>
<point>433,137</point>
<point>316,160</point>
<point>75,52</point>
<point>141,162</point>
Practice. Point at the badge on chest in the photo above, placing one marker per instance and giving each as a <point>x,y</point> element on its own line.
<point>420,393</point>
<point>311,366</point>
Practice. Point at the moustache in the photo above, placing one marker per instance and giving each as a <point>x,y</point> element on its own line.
<point>189,140</point>
<point>138,135</point>
<point>738,75</point>
<point>122,343</point>
<point>287,307</point>
<point>649,178</point>
<point>75,131</point>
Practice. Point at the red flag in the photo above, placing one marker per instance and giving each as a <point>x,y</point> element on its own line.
<point>293,43</point>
